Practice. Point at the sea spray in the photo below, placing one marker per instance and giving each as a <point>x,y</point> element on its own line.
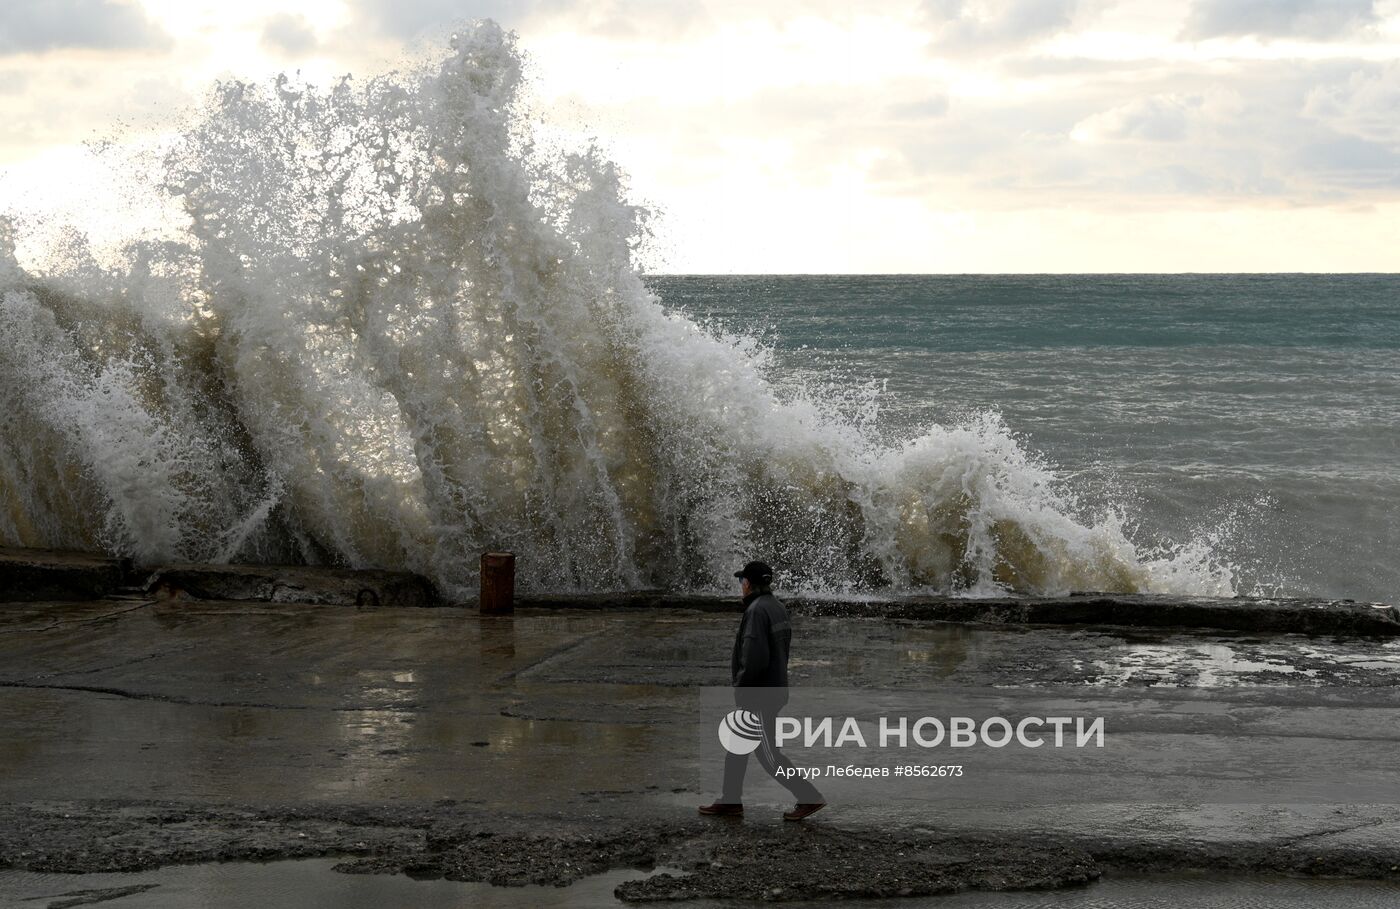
<point>395,333</point>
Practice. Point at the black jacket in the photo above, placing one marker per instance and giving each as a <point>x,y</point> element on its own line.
<point>761,647</point>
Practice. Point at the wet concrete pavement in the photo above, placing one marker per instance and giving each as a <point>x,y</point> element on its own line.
<point>146,731</point>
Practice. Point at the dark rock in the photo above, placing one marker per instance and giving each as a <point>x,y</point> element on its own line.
<point>36,575</point>
<point>714,861</point>
<point>90,897</point>
<point>293,584</point>
<point>824,863</point>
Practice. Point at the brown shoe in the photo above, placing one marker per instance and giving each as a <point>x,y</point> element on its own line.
<point>803,809</point>
<point>723,809</point>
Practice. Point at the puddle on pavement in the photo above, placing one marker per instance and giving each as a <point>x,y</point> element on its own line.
<point>1197,665</point>
<point>311,884</point>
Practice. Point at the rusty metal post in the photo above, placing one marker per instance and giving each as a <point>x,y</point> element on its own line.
<point>497,583</point>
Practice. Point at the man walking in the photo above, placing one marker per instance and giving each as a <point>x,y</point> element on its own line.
<point>758,672</point>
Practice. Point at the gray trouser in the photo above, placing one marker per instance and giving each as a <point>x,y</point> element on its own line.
<point>766,703</point>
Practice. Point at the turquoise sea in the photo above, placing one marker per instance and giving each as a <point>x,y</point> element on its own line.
<point>1259,411</point>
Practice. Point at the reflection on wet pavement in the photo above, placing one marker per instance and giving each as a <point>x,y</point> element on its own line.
<point>571,711</point>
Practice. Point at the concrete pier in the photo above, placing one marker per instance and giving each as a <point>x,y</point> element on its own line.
<point>138,730</point>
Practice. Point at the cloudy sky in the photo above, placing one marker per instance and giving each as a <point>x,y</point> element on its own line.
<point>822,136</point>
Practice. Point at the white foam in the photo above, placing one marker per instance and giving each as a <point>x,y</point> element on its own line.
<point>396,334</point>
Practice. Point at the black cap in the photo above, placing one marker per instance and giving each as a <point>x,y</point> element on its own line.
<point>757,573</point>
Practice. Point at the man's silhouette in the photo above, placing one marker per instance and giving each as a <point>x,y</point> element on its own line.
<point>758,670</point>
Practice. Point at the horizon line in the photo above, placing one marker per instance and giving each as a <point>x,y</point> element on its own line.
<point>1007,274</point>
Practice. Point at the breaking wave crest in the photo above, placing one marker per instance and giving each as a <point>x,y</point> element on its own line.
<point>394,333</point>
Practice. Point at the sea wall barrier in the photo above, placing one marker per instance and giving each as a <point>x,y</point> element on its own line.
<point>1256,614</point>
<point>41,575</point>
<point>48,574</point>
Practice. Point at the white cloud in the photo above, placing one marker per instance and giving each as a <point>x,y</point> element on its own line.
<point>289,34</point>
<point>1316,19</point>
<point>932,106</point>
<point>787,131</point>
<point>976,25</point>
<point>1168,117</point>
<point>1301,133</point>
<point>1366,105</point>
<point>36,26</point>
<point>409,18</point>
<point>1350,165</point>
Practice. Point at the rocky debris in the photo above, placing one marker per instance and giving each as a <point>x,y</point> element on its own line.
<point>714,858</point>
<point>735,861</point>
<point>824,863</point>
<point>517,859</point>
<point>82,837</point>
<point>293,584</point>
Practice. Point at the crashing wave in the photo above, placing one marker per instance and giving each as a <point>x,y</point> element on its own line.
<point>394,333</point>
